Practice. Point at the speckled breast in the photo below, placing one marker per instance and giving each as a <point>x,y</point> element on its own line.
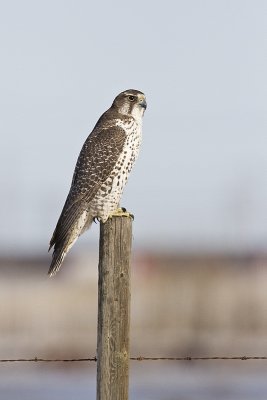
<point>108,197</point>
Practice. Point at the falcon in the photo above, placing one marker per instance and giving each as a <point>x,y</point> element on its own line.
<point>101,172</point>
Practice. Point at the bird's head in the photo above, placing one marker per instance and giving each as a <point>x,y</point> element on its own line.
<point>131,102</point>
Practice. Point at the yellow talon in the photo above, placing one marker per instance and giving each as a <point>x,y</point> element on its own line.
<point>121,212</point>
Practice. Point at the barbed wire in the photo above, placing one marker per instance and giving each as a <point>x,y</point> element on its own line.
<point>139,358</point>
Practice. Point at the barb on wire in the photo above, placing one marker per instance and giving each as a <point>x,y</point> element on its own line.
<point>139,358</point>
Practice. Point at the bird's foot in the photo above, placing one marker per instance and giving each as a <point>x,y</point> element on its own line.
<point>121,212</point>
<point>96,219</point>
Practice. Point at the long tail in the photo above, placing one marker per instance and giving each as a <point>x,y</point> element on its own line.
<point>60,250</point>
<point>57,260</point>
<point>63,245</point>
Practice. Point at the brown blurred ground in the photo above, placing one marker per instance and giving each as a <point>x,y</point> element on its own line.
<point>181,305</point>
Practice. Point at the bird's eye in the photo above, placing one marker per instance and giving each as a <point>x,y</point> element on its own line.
<point>131,98</point>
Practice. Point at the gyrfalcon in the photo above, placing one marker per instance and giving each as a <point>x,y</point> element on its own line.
<point>101,172</point>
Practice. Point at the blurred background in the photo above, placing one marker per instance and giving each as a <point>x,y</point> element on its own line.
<point>198,191</point>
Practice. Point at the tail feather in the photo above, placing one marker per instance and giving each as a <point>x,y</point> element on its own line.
<point>62,246</point>
<point>57,260</point>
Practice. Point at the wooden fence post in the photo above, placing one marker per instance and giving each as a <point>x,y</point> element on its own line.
<point>114,309</point>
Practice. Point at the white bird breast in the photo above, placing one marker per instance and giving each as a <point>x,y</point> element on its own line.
<point>108,197</point>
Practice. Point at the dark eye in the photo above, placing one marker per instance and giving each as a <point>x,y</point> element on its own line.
<point>131,98</point>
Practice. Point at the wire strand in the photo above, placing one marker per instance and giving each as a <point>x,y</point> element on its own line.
<point>139,358</point>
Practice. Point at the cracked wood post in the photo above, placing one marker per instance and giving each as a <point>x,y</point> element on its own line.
<point>114,309</point>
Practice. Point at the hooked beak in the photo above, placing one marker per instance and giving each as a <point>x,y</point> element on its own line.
<point>143,104</point>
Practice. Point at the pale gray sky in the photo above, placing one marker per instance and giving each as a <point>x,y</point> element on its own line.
<point>201,179</point>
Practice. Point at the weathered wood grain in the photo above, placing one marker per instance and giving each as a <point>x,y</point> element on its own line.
<point>114,309</point>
